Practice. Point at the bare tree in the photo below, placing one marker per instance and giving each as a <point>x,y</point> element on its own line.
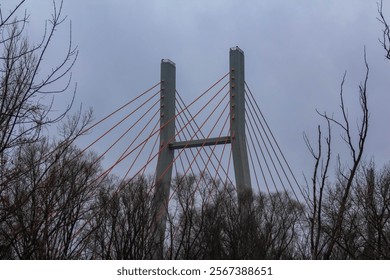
<point>365,231</point>
<point>25,80</point>
<point>42,180</point>
<point>207,225</point>
<point>28,85</point>
<point>279,220</point>
<point>191,196</point>
<point>121,222</point>
<point>318,184</point>
<point>371,201</point>
<point>346,176</point>
<point>48,205</point>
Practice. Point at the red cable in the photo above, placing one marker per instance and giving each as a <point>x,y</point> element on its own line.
<point>164,146</point>
<point>208,160</point>
<point>68,143</point>
<point>117,191</point>
<point>220,165</point>
<point>78,232</point>
<point>186,155</point>
<point>144,142</point>
<point>212,163</point>
<point>153,148</point>
<point>121,157</point>
<point>127,131</point>
<point>167,168</point>
<point>117,110</point>
<point>135,160</point>
<point>118,123</point>
<point>214,147</point>
<point>193,137</point>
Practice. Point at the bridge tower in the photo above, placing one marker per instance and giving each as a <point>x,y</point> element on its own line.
<point>168,145</point>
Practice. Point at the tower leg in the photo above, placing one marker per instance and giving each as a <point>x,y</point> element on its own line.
<point>237,129</point>
<point>166,155</point>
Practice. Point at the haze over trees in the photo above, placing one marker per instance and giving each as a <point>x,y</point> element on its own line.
<point>57,203</point>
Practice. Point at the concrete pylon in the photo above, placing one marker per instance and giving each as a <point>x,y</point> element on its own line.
<point>168,145</point>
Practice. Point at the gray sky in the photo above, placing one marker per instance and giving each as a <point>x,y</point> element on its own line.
<point>296,53</point>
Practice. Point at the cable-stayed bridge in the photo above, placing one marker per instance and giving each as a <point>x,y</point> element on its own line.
<point>221,136</point>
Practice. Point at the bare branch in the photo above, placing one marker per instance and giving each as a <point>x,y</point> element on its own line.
<point>385,41</point>
<point>356,158</point>
<point>4,21</point>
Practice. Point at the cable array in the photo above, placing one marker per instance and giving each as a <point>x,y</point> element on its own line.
<point>271,172</point>
<point>266,154</point>
<point>139,134</point>
<point>133,150</point>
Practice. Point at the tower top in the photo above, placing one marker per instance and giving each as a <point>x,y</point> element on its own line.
<point>168,61</point>
<point>236,48</point>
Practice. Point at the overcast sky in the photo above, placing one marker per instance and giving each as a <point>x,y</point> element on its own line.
<point>296,54</point>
